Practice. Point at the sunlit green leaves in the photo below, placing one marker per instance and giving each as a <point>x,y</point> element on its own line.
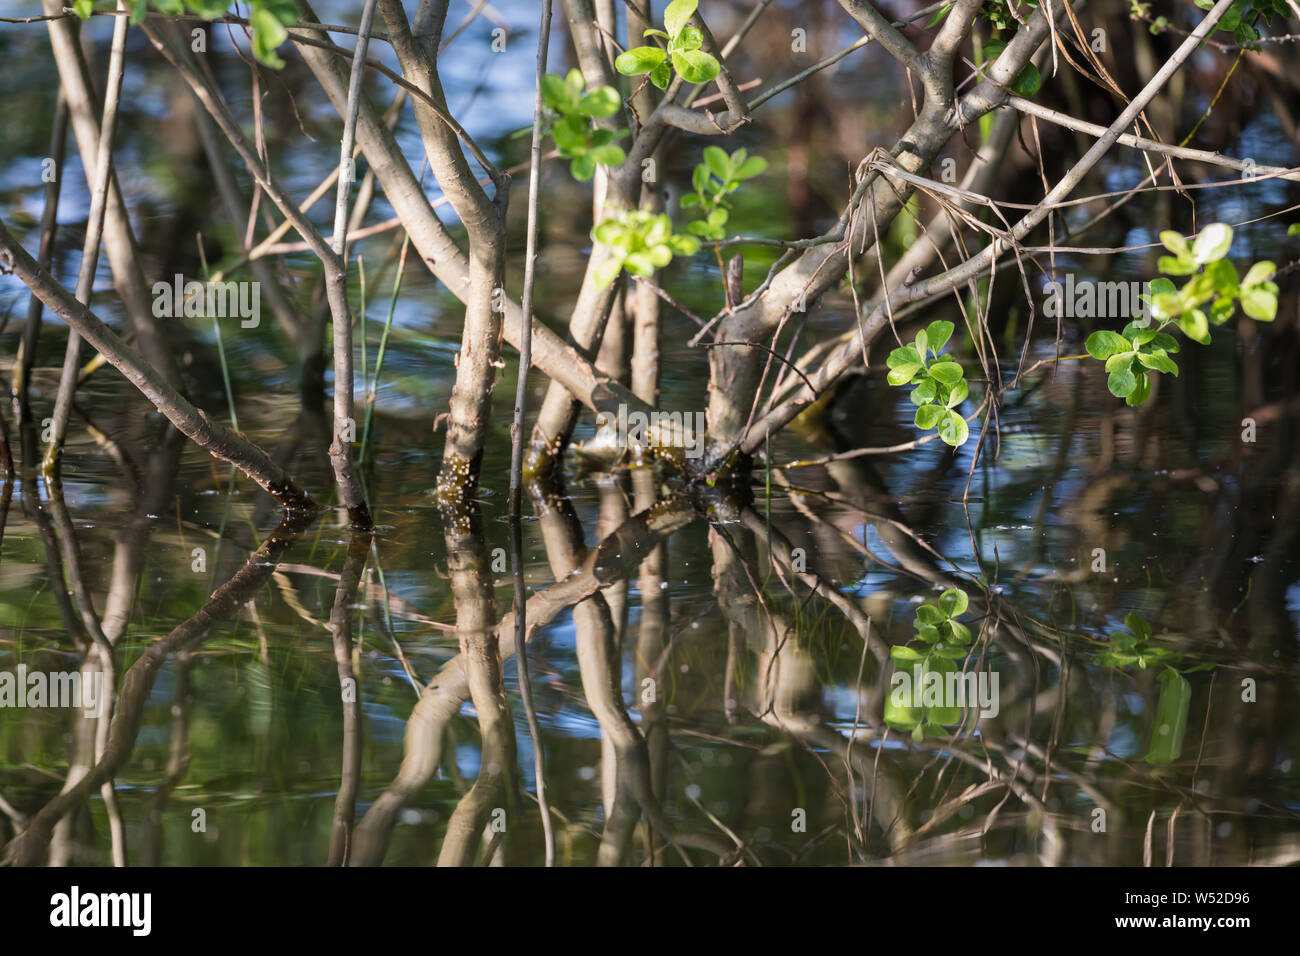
<point>716,178</point>
<point>1208,298</point>
<point>683,53</point>
<point>940,382</point>
<point>571,112</point>
<point>1259,292</point>
<point>639,242</point>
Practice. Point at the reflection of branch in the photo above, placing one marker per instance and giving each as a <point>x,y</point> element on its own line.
<point>138,682</point>
<point>341,629</point>
<point>615,558</point>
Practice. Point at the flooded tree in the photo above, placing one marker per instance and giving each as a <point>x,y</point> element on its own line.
<point>733,432</point>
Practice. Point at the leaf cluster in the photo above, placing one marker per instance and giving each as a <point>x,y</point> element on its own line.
<point>640,242</point>
<point>571,114</point>
<point>683,52</point>
<point>940,382</point>
<point>268,19</point>
<point>714,180</point>
<point>944,642</point>
<point>1209,297</point>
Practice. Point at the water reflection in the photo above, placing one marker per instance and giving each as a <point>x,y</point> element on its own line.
<point>711,673</point>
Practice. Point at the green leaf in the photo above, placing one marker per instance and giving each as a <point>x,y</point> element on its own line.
<point>953,602</point>
<point>1175,243</point>
<point>1141,392</point>
<point>953,430</point>
<point>1028,81</point>
<point>683,245</point>
<point>902,653</point>
<point>903,374</point>
<point>1122,381</point>
<point>286,11</point>
<point>1212,243</point>
<point>555,95</point>
<point>1293,229</point>
<point>959,633</point>
<point>599,103</point>
<point>750,168</point>
<point>904,355</point>
<point>924,393</point>
<point>584,167</point>
<point>949,373</point>
<point>83,8</point>
<point>677,14</point>
<point>268,33</point>
<point>1223,278</point>
<point>139,10</point>
<point>640,59</point>
<point>689,39</point>
<point>1119,360</point>
<point>959,394</point>
<point>1170,723</point>
<point>1162,285</point>
<point>606,272</point>
<point>1138,625</point>
<point>1259,273</point>
<point>1158,360</point>
<point>1166,305</point>
<point>928,416</point>
<point>940,14</point>
<point>928,633</point>
<point>1138,335</point>
<point>930,614</point>
<point>1171,265</point>
<point>922,344</point>
<point>570,135</point>
<point>896,712</point>
<point>696,66</point>
<point>1260,303</point>
<point>1195,325</point>
<point>661,75</point>
<point>608,155</point>
<point>938,334</point>
<point>1105,343</point>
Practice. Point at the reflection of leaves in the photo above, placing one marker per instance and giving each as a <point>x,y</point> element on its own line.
<point>1133,647</point>
<point>1171,718</point>
<point>946,642</point>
